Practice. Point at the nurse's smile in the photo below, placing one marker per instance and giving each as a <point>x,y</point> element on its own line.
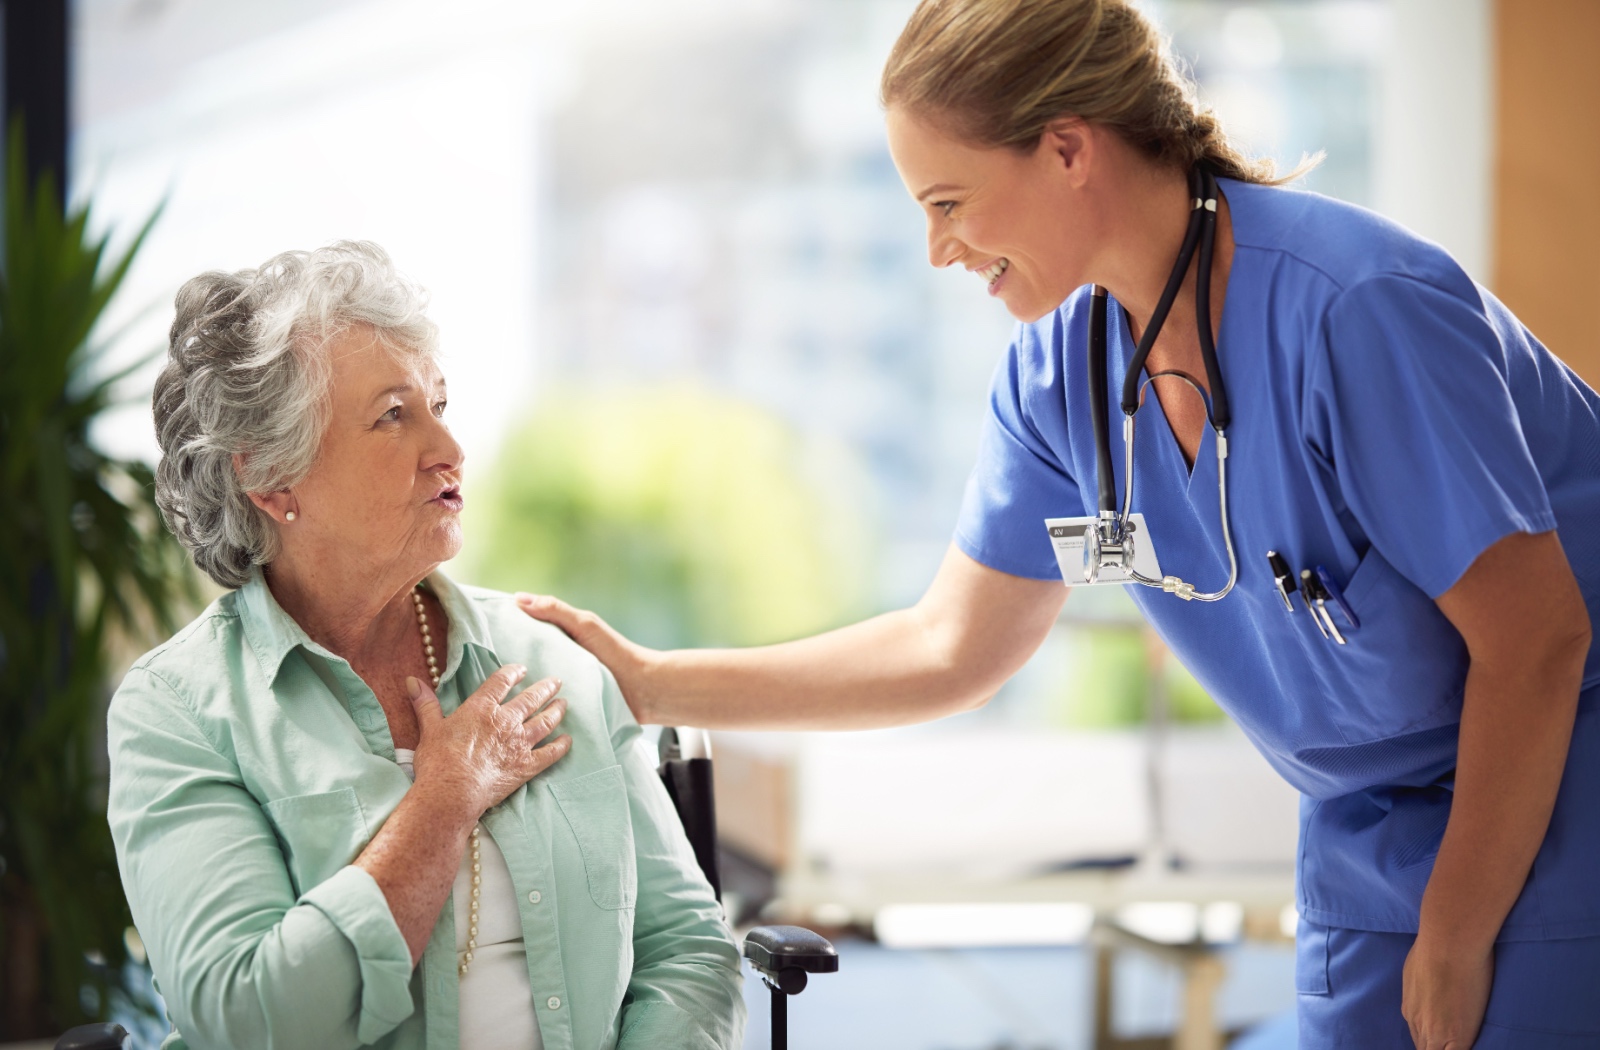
<point>992,274</point>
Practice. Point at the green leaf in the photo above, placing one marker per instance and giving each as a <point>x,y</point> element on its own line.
<point>83,557</point>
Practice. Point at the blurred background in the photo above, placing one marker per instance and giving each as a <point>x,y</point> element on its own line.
<point>710,387</point>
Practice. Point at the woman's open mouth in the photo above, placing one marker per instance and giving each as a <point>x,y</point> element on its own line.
<point>994,272</point>
<point>449,498</point>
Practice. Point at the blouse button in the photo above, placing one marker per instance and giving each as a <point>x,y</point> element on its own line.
<point>535,897</point>
<point>554,1002</point>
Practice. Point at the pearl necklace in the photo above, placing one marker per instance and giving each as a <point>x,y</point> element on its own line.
<point>477,857</point>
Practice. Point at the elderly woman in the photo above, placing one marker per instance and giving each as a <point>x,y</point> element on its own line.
<point>341,817</point>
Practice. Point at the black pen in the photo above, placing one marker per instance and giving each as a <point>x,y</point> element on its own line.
<point>1319,594</point>
<point>1283,576</point>
<point>1308,591</point>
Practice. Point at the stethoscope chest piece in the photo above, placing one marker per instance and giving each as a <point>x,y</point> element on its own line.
<point>1107,545</point>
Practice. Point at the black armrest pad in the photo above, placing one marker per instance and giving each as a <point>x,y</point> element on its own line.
<point>774,948</point>
<point>93,1037</point>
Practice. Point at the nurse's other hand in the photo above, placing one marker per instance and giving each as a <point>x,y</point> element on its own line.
<point>1445,992</point>
<point>628,663</point>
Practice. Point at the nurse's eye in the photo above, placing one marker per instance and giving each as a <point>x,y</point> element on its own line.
<point>945,206</point>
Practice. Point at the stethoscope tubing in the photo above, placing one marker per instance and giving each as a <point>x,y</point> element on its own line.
<point>1201,235</point>
<point>1147,341</point>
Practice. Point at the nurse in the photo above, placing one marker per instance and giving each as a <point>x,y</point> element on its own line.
<point>1392,422</point>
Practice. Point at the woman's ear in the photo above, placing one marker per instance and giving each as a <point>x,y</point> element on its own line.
<point>280,506</point>
<point>1068,144</point>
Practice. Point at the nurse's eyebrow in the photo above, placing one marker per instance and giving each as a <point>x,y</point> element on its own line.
<point>938,187</point>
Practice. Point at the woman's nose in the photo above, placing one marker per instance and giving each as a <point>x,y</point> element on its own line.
<point>943,249</point>
<point>444,452</point>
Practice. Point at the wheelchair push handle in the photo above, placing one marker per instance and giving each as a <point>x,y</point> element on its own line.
<point>779,950</point>
<point>783,955</point>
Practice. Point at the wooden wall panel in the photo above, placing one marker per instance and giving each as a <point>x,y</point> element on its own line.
<point>1547,173</point>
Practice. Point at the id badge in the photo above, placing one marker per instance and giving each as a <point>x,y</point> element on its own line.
<point>1066,536</point>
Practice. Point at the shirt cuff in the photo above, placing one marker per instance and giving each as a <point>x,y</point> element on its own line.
<point>355,905</point>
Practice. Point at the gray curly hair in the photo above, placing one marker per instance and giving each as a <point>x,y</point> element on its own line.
<point>246,377</point>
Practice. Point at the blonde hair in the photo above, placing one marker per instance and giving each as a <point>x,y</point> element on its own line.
<point>998,72</point>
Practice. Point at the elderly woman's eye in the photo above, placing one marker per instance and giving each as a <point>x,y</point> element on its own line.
<point>390,416</point>
<point>438,407</point>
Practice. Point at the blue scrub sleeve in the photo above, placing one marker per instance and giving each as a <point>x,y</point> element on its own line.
<point>1412,411</point>
<point>1021,477</point>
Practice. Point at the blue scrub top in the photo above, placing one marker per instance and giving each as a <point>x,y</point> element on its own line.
<point>1391,421</point>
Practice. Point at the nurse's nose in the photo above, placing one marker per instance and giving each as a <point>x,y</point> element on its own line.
<point>943,249</point>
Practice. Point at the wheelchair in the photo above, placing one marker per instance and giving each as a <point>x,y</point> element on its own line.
<point>784,956</point>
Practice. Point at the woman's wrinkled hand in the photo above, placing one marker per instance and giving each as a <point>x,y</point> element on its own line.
<point>1445,993</point>
<point>489,746</point>
<point>627,662</point>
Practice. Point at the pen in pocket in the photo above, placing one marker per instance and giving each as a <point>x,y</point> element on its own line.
<point>1319,597</point>
<point>1337,597</point>
<point>1283,577</point>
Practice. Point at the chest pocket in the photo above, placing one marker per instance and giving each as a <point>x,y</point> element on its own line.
<point>320,833</point>
<point>1403,670</point>
<point>596,809</point>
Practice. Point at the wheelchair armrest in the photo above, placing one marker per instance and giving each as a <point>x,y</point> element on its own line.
<point>785,954</point>
<point>93,1037</point>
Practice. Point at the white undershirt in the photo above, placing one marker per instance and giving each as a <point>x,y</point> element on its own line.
<point>496,1005</point>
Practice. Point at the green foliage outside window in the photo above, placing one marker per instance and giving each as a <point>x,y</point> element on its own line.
<point>1114,677</point>
<point>684,517</point>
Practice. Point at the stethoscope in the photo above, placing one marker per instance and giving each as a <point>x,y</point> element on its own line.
<point>1109,542</point>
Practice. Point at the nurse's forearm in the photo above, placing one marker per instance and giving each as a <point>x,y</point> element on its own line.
<point>949,653</point>
<point>1527,632</point>
<point>891,670</point>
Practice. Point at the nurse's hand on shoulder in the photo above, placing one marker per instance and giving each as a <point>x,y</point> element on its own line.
<point>1445,992</point>
<point>628,662</point>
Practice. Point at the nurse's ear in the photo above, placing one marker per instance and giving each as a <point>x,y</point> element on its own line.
<point>1067,148</point>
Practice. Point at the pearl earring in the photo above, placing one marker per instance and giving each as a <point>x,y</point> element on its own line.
<point>289,516</point>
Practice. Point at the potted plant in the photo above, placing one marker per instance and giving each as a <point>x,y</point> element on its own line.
<point>84,561</point>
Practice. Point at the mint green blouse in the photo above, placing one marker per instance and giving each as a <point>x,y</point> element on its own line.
<point>249,767</point>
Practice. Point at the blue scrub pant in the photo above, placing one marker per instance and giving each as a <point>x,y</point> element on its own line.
<point>1546,994</point>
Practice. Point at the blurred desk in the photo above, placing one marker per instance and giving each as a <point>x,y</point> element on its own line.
<point>854,824</point>
<point>959,803</point>
<point>855,899</point>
